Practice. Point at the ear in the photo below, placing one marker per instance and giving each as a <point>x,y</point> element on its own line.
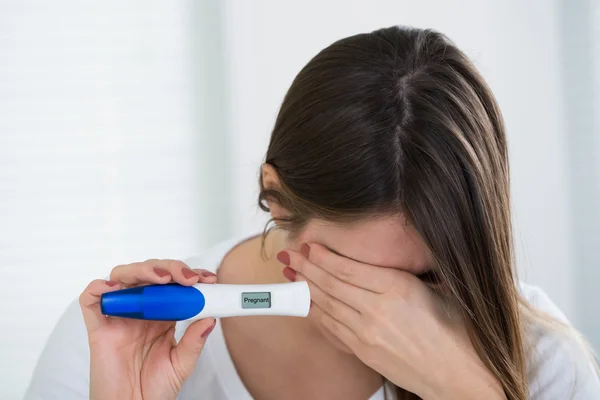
<point>270,181</point>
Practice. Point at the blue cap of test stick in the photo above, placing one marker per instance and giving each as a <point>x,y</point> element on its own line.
<point>171,302</point>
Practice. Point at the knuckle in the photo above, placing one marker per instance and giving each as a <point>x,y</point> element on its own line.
<point>371,308</point>
<point>90,287</point>
<point>116,271</point>
<point>124,271</point>
<point>370,336</point>
<point>346,270</point>
<point>333,325</point>
<point>328,304</point>
<point>92,284</point>
<point>203,272</point>
<point>330,284</point>
<point>176,264</point>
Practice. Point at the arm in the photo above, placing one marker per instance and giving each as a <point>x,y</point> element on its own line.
<point>62,371</point>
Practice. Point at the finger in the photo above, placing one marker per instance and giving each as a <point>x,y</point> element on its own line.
<point>335,308</point>
<point>352,295</point>
<point>371,277</point>
<point>186,353</point>
<point>154,271</point>
<point>205,275</point>
<point>335,327</point>
<point>89,301</point>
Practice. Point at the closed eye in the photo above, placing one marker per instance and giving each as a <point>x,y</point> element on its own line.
<point>430,277</point>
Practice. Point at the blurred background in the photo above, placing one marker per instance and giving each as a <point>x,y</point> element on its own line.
<point>135,129</point>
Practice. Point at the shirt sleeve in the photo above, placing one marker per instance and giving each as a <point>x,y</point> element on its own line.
<point>561,366</point>
<point>62,371</point>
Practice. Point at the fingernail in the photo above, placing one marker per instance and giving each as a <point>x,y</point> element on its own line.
<point>209,329</point>
<point>206,273</point>
<point>160,272</point>
<point>111,283</point>
<point>283,257</point>
<point>188,273</point>
<point>289,274</point>
<point>305,250</point>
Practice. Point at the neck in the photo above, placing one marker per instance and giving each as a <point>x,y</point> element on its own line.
<point>299,339</point>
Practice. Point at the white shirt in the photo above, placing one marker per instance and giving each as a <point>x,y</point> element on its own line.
<point>559,369</point>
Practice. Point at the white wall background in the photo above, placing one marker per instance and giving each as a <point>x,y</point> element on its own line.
<point>580,34</point>
<point>131,130</point>
<point>98,155</point>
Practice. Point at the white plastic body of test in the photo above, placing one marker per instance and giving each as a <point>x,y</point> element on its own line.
<point>224,300</point>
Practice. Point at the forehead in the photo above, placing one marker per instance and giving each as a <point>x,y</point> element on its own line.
<point>383,241</point>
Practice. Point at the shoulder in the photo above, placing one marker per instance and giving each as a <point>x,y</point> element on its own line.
<point>212,258</point>
<point>560,365</point>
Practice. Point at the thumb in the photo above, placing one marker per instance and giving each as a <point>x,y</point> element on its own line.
<point>187,351</point>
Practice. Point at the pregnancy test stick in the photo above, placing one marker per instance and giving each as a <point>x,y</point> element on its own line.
<point>174,302</point>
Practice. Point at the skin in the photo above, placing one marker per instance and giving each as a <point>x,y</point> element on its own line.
<point>371,318</point>
<point>142,354</point>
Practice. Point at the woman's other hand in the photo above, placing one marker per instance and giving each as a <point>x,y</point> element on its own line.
<point>137,359</point>
<point>394,323</point>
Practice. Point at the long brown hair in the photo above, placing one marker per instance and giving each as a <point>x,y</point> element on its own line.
<point>399,120</point>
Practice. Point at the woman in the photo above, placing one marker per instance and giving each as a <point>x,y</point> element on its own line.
<point>387,180</point>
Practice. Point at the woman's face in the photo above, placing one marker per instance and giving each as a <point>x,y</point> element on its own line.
<point>385,242</point>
